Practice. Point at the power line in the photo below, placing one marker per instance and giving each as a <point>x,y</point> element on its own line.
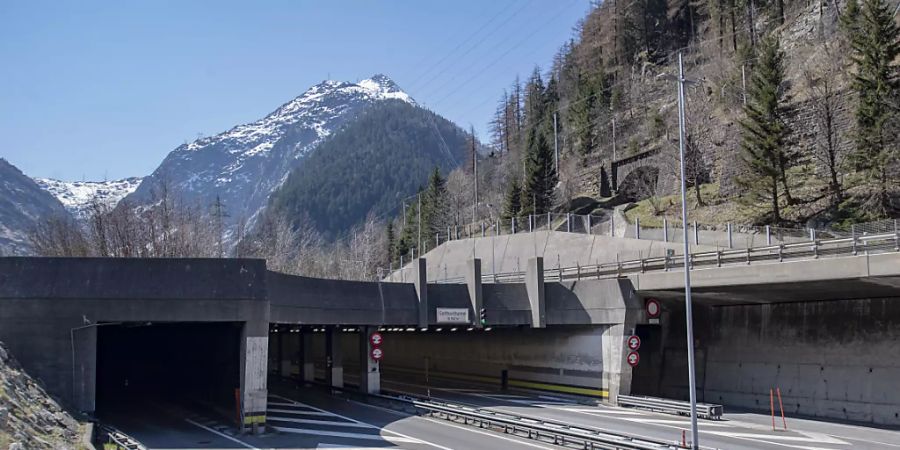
<point>447,55</point>
<point>496,60</point>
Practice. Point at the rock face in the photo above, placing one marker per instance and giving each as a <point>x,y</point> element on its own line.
<point>244,165</point>
<point>29,418</point>
<point>78,196</point>
<point>22,205</point>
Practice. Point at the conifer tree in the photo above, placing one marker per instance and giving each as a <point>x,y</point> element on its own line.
<point>512,205</point>
<point>764,131</point>
<point>875,43</point>
<point>434,207</point>
<point>541,177</point>
<point>391,242</point>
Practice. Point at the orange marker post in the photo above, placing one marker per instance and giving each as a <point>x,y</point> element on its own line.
<point>772,407</point>
<point>781,405</point>
<point>237,407</point>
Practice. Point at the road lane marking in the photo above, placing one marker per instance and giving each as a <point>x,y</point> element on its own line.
<point>320,422</point>
<point>679,423</point>
<point>417,440</point>
<point>343,434</point>
<point>298,411</point>
<point>601,411</point>
<point>495,435</point>
<point>219,433</point>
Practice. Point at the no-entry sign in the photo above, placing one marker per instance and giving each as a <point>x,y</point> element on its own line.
<point>377,354</point>
<point>633,359</point>
<point>652,308</point>
<point>376,339</point>
<point>634,342</point>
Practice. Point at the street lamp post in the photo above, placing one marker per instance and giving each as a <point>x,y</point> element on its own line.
<point>692,382</point>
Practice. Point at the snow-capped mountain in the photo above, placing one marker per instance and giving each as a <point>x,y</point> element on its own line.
<point>244,165</point>
<point>23,204</point>
<point>77,196</point>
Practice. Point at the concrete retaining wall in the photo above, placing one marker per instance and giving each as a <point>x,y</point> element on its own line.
<point>835,359</point>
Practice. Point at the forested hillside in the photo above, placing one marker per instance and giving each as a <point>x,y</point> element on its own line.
<point>792,110</point>
<point>369,166</point>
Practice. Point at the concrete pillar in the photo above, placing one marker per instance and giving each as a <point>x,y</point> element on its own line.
<point>279,352</point>
<point>534,285</point>
<point>615,349</point>
<point>334,361</point>
<point>421,284</point>
<point>307,365</point>
<point>370,373</point>
<point>473,282</point>
<point>730,237</point>
<point>254,362</point>
<point>84,372</point>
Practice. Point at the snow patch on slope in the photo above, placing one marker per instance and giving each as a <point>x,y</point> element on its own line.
<point>77,196</point>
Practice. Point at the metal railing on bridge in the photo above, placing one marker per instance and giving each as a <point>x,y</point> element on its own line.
<point>817,248</point>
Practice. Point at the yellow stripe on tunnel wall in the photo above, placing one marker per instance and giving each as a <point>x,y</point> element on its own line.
<point>515,382</point>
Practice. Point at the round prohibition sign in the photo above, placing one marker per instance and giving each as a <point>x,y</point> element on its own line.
<point>634,342</point>
<point>377,354</point>
<point>633,359</point>
<point>376,339</point>
<point>652,308</point>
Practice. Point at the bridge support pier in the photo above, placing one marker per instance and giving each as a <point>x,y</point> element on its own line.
<point>254,370</point>
<point>334,365</point>
<point>370,371</point>
<point>305,350</point>
<point>473,283</point>
<point>534,286</point>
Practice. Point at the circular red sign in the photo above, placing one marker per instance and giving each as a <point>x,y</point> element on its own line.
<point>633,358</point>
<point>634,342</point>
<point>377,354</point>
<point>376,339</point>
<point>653,308</point>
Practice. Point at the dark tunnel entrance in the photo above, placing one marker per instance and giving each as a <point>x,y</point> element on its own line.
<point>185,365</point>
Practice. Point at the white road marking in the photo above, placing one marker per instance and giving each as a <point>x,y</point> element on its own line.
<point>219,433</point>
<point>678,423</point>
<point>297,411</point>
<point>416,440</point>
<point>342,434</point>
<point>494,435</point>
<point>320,422</point>
<point>602,411</point>
<point>344,447</point>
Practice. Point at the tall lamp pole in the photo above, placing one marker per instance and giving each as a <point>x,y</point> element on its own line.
<point>689,317</point>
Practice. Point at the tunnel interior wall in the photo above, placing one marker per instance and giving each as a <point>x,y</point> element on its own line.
<point>569,357</point>
<point>831,359</point>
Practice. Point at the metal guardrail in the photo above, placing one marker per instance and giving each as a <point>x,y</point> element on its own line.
<point>119,440</point>
<point>558,433</point>
<point>705,410</point>
<point>543,430</point>
<point>813,249</point>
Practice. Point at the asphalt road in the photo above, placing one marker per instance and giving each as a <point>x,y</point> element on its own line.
<point>738,431</point>
<point>309,418</point>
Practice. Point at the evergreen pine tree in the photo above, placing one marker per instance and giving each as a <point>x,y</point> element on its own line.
<point>391,242</point>
<point>434,208</point>
<point>541,177</point>
<point>512,205</point>
<point>875,43</point>
<point>764,131</point>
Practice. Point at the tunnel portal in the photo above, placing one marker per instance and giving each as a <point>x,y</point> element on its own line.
<point>167,364</point>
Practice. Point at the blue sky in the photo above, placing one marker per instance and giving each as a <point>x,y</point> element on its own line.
<point>104,90</point>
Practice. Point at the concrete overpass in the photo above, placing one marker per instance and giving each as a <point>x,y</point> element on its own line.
<point>95,329</point>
